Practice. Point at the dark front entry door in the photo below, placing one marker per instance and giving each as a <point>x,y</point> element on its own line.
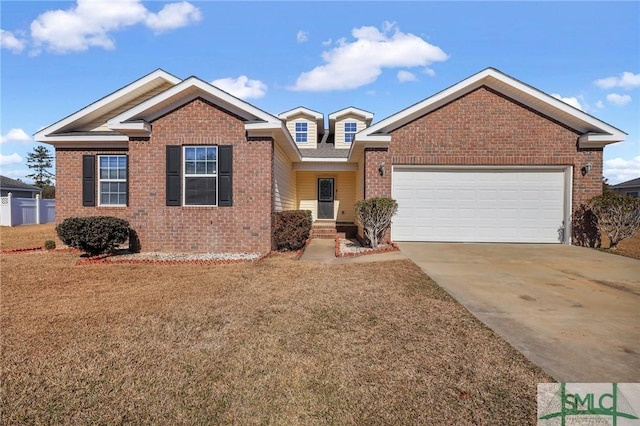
<point>325,198</point>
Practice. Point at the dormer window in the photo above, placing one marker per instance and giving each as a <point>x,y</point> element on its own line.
<point>301,132</point>
<point>350,130</point>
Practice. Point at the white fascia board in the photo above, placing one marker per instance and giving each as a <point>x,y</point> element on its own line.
<point>323,160</point>
<point>90,143</point>
<point>351,110</point>
<point>526,89</point>
<point>325,167</point>
<point>86,138</point>
<point>140,128</point>
<point>280,134</point>
<point>263,126</point>
<point>105,101</point>
<point>373,138</point>
<point>487,77</point>
<point>592,140</point>
<point>361,143</point>
<point>301,110</point>
<point>221,97</point>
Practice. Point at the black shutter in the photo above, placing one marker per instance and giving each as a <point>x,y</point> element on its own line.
<point>88,180</point>
<point>174,158</point>
<point>225,175</point>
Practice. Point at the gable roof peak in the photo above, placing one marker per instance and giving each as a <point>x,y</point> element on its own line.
<point>594,132</point>
<point>108,103</point>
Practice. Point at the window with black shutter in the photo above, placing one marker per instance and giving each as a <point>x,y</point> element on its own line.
<point>199,175</point>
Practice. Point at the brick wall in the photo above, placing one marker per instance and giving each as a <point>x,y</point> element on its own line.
<point>244,227</point>
<point>374,184</point>
<point>486,128</point>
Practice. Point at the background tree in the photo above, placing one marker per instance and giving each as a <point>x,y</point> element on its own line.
<point>40,160</point>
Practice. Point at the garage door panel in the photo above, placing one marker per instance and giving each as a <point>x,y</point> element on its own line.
<point>478,205</point>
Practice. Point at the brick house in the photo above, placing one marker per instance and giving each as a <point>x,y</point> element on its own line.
<point>193,168</point>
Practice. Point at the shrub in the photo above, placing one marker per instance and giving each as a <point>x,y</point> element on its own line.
<point>93,235</point>
<point>49,244</point>
<point>618,216</point>
<point>291,229</point>
<point>374,214</point>
<point>586,232</point>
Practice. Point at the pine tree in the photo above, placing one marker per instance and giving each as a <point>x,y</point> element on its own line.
<point>39,161</point>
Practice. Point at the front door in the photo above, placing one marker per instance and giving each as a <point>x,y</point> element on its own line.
<point>325,198</point>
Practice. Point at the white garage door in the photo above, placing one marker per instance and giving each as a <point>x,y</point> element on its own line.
<point>479,205</point>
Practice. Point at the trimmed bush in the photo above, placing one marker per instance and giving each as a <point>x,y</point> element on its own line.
<point>291,229</point>
<point>95,234</point>
<point>49,245</point>
<point>374,214</point>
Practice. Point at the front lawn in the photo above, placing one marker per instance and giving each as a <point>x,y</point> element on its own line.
<point>278,341</point>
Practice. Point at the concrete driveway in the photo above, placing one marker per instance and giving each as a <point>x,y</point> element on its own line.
<point>573,311</point>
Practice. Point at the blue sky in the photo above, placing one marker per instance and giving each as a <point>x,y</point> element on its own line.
<point>58,57</point>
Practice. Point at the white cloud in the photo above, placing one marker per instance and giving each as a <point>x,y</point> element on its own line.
<point>172,16</point>
<point>353,64</point>
<point>405,76</point>
<point>327,42</point>
<point>619,170</point>
<point>15,135</point>
<point>573,101</point>
<point>429,72</point>
<point>626,80</point>
<point>302,36</point>
<point>10,42</point>
<point>7,160</point>
<point>242,87</point>
<point>617,99</point>
<point>90,23</point>
<point>599,104</point>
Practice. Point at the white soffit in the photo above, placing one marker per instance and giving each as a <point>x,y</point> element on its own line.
<point>186,91</point>
<point>108,103</point>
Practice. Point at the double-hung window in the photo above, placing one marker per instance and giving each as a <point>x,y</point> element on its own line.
<point>200,175</point>
<point>301,132</point>
<point>112,180</point>
<point>350,130</point>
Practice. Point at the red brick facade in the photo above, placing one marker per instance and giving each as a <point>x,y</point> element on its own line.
<point>244,227</point>
<point>486,128</point>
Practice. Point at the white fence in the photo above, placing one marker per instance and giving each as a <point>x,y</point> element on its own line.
<point>26,211</point>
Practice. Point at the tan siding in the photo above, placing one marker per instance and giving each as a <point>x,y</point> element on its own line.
<point>100,123</point>
<point>345,193</point>
<point>360,181</point>
<point>284,183</point>
<point>307,192</point>
<point>340,128</point>
<point>312,128</point>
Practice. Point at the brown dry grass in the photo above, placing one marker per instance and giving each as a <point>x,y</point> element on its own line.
<point>26,236</point>
<point>629,247</point>
<point>279,341</point>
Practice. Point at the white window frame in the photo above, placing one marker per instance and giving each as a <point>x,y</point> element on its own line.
<point>352,133</point>
<point>198,175</point>
<point>102,180</point>
<point>304,132</point>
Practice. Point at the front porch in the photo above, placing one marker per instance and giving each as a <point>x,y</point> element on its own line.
<point>330,195</point>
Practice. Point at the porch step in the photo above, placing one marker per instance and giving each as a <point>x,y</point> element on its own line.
<point>324,230</point>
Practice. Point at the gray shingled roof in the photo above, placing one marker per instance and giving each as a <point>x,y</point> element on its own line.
<point>326,149</point>
<point>8,183</point>
<point>627,184</point>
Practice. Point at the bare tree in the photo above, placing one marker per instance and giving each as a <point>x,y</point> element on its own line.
<point>374,214</point>
<point>618,216</point>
